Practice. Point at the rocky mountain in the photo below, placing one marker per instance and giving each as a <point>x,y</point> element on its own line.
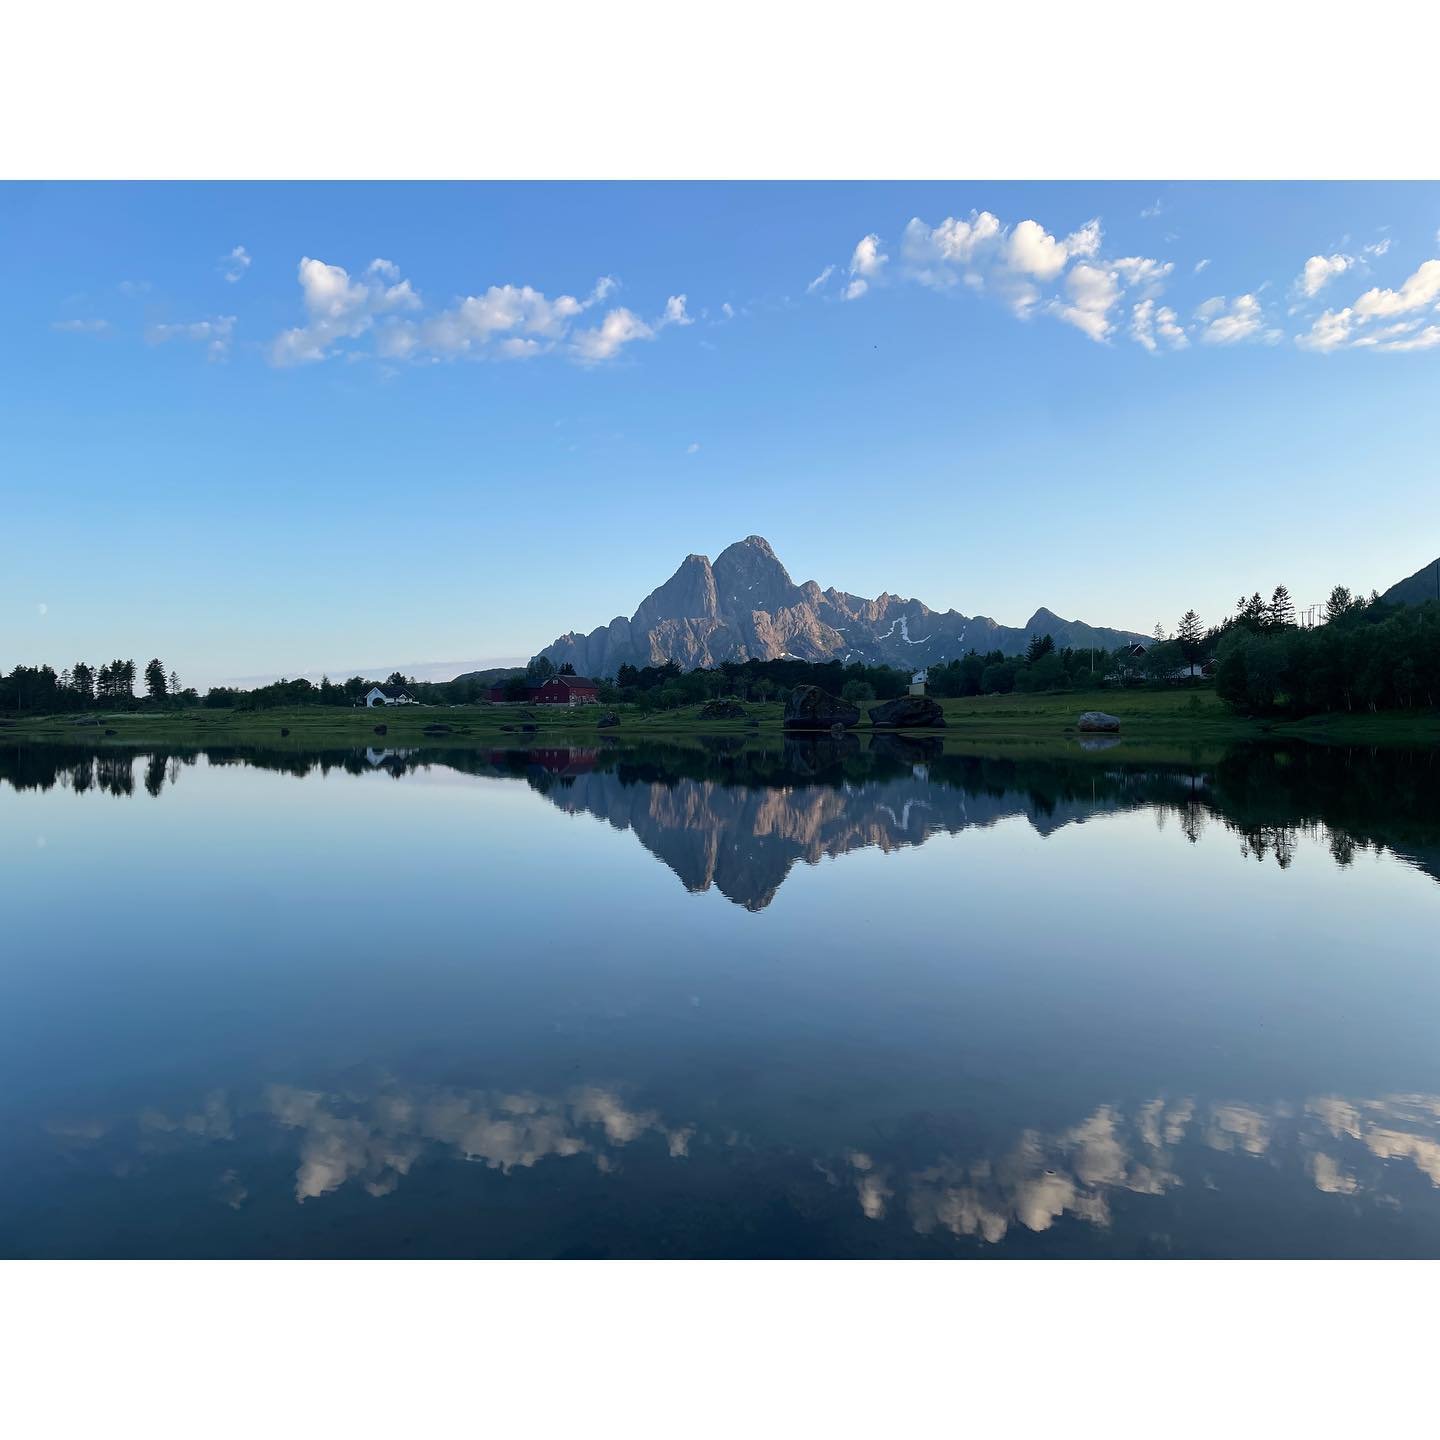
<point>1423,585</point>
<point>745,606</point>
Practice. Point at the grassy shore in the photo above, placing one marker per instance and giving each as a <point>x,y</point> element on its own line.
<point>1169,720</point>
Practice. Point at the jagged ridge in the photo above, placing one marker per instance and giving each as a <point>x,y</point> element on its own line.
<point>745,606</point>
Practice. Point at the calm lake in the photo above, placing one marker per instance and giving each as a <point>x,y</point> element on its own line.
<point>813,998</point>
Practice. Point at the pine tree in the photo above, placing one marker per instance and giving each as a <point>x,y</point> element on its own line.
<point>174,683</point>
<point>1340,603</point>
<point>1282,609</point>
<point>155,680</point>
<point>1191,635</point>
<point>84,683</point>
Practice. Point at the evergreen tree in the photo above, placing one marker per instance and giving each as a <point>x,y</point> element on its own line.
<point>174,683</point>
<point>84,683</point>
<point>155,680</point>
<point>1191,635</point>
<point>1039,647</point>
<point>1341,602</point>
<point>1282,609</point>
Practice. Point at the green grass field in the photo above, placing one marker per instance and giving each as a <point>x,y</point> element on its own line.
<point>1169,721</point>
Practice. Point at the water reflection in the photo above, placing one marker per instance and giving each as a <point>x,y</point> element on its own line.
<point>737,816</point>
<point>371,1140</point>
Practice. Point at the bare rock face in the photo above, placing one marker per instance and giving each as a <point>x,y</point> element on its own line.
<point>909,712</point>
<point>744,606</point>
<point>1097,720</point>
<point>811,708</point>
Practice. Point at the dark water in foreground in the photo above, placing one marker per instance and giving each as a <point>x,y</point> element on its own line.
<point>871,1001</point>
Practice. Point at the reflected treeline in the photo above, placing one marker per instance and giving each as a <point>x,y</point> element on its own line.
<point>738,814</point>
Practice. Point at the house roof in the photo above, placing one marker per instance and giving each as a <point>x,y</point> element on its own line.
<point>390,692</point>
<point>575,682</point>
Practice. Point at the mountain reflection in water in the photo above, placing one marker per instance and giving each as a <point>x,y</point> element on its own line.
<point>417,1002</point>
<point>738,816</point>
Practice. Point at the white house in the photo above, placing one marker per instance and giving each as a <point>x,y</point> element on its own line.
<point>388,695</point>
<point>917,682</point>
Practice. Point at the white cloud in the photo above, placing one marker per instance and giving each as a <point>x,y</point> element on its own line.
<point>619,328</point>
<point>693,448</point>
<point>1330,331</point>
<point>235,264</point>
<point>1319,271</point>
<point>675,313</point>
<point>1093,291</point>
<point>1151,211</point>
<point>339,308</point>
<point>513,322</point>
<point>1378,248</point>
<point>1225,323</point>
<point>1426,339</point>
<point>1420,290</point>
<point>1346,328</point>
<point>868,260</point>
<point>1152,325</point>
<point>866,264</point>
<point>81,327</point>
<point>42,608</point>
<point>1034,251</point>
<point>819,282</point>
<point>214,334</point>
<point>1202,264</point>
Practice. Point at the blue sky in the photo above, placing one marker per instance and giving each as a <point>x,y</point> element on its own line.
<point>260,429</point>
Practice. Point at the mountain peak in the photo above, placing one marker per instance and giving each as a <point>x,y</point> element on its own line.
<point>744,605</point>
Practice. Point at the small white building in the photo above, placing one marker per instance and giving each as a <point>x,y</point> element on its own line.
<point>918,681</point>
<point>388,695</point>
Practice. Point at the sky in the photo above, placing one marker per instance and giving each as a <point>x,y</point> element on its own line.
<point>263,429</point>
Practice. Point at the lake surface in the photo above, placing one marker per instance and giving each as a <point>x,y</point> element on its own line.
<point>806,999</point>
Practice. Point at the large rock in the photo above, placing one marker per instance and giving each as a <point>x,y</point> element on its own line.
<point>608,719</point>
<point>909,712</point>
<point>1097,720</point>
<point>811,708</point>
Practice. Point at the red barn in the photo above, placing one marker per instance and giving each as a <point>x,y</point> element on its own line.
<point>565,690</point>
<point>557,690</point>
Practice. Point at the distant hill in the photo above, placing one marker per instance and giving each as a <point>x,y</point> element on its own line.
<point>745,606</point>
<point>1420,587</point>
<point>490,677</point>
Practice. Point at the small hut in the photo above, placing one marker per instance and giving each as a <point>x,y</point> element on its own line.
<point>917,682</point>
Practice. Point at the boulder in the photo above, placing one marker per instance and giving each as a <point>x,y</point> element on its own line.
<point>382,729</point>
<point>811,708</point>
<point>528,729</point>
<point>438,730</point>
<point>284,730</point>
<point>722,710</point>
<point>608,719</point>
<point>1097,720</point>
<point>909,712</point>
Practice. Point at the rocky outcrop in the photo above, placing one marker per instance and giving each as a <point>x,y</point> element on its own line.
<point>909,712</point>
<point>811,708</point>
<point>745,606</point>
<point>1097,720</point>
